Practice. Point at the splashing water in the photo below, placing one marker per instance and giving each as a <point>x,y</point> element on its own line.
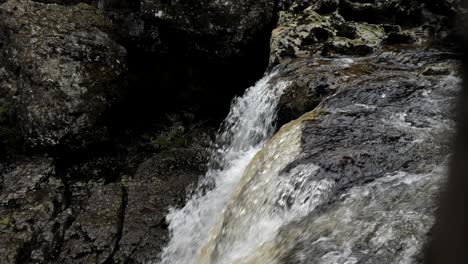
<point>248,126</point>
<point>266,199</point>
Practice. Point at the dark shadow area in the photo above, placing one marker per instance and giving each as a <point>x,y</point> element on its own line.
<point>449,235</point>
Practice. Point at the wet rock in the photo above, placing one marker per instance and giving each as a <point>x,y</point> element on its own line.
<point>310,81</point>
<point>347,47</point>
<point>407,129</point>
<point>381,231</point>
<point>437,70</point>
<point>66,70</point>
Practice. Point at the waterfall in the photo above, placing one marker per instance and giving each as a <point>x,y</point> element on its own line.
<point>244,132</point>
<point>266,199</point>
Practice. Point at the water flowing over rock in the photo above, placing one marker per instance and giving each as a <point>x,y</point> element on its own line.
<point>308,194</point>
<point>249,124</point>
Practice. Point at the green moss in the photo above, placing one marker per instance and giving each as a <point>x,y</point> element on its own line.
<point>370,34</point>
<point>173,138</point>
<point>90,15</point>
<point>5,221</point>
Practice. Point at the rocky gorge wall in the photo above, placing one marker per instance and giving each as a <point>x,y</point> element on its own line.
<point>108,108</point>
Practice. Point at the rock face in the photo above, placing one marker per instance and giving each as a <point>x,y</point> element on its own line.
<point>66,71</point>
<point>99,209</point>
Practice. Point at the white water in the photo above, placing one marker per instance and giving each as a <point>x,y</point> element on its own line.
<point>266,199</point>
<point>248,126</point>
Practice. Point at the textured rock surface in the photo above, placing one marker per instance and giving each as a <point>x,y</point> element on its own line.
<point>93,237</point>
<point>160,181</point>
<point>356,28</point>
<point>66,70</point>
<point>99,208</point>
<point>31,199</point>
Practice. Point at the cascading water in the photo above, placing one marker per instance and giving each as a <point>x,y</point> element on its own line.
<point>248,126</point>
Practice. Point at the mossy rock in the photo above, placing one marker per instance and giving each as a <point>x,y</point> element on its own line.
<point>345,46</point>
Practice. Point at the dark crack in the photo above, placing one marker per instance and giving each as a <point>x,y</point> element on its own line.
<point>120,224</point>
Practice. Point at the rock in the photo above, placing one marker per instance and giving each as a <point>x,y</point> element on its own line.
<point>29,221</point>
<point>403,37</point>
<point>358,28</point>
<point>311,80</point>
<point>320,6</point>
<point>66,2</point>
<point>67,71</point>
<point>393,155</point>
<point>93,236</point>
<point>299,35</point>
<point>347,46</point>
<point>309,33</point>
<point>383,11</point>
<point>437,70</point>
<point>314,79</point>
<point>445,7</point>
<point>214,28</point>
<point>160,182</point>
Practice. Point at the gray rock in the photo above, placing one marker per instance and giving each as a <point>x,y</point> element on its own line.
<point>311,81</point>
<point>160,182</point>
<point>93,236</point>
<point>66,70</point>
<point>29,221</point>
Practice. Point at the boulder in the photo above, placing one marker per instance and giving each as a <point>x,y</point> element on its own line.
<point>66,68</point>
